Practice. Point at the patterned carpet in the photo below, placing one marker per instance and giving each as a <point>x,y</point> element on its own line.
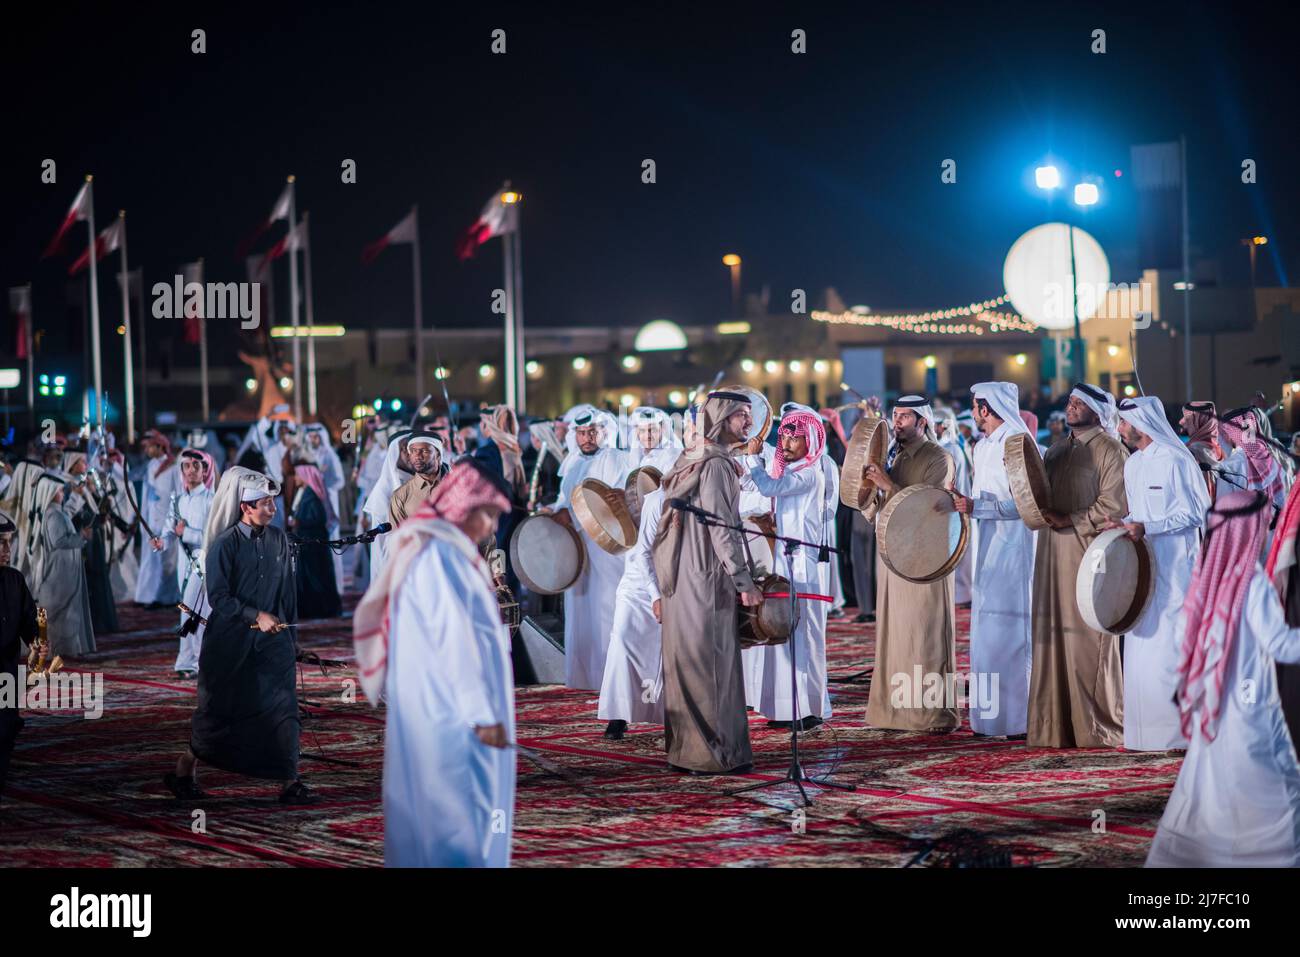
<point>89,792</point>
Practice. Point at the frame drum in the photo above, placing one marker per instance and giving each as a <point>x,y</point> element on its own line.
<point>602,512</point>
<point>1028,479</point>
<point>1115,581</point>
<point>867,446</point>
<point>922,535</point>
<point>640,483</point>
<point>547,555</point>
<point>759,407</point>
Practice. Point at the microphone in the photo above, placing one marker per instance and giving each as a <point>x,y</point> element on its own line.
<point>381,528</point>
<point>684,506</point>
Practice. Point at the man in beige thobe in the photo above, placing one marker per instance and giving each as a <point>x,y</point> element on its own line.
<point>916,634</point>
<point>1076,690</point>
<point>424,450</point>
<point>700,569</point>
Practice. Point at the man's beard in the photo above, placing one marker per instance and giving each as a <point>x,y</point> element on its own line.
<point>592,451</point>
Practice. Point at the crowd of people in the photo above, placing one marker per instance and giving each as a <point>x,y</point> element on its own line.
<point>244,535</point>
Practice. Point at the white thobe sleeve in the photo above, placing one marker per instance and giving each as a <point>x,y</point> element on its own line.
<point>455,637</point>
<point>792,482</point>
<point>1185,497</point>
<point>644,552</point>
<point>1267,622</point>
<point>989,508</point>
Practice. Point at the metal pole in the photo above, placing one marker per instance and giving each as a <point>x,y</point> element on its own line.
<point>127,367</point>
<point>508,369</point>
<point>94,304</point>
<point>311,336</point>
<point>1187,278</point>
<point>418,317</point>
<point>1079,358</point>
<point>31,364</point>
<point>144,366</point>
<point>203,353</point>
<point>293,304</point>
<point>520,352</point>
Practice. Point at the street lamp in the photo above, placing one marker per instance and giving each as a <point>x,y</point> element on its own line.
<point>1252,243</point>
<point>732,261</point>
<point>1048,178</point>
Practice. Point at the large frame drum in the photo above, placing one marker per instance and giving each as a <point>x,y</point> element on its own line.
<point>547,555</point>
<point>922,535</point>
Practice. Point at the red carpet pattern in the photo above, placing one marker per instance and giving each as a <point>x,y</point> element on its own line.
<point>89,792</point>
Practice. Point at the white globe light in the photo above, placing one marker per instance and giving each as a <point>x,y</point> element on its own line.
<point>1036,275</point>
<point>659,335</point>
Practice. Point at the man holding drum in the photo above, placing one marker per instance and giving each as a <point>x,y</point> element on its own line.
<point>700,569</point>
<point>1167,501</point>
<point>1001,630</point>
<point>1076,691</point>
<point>915,622</point>
<point>589,604</point>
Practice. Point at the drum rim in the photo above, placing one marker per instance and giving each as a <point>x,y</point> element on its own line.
<point>588,520</point>
<point>755,395</point>
<point>882,524</point>
<point>1015,459</point>
<point>523,574</point>
<point>1141,595</point>
<point>855,451</point>
<point>751,618</point>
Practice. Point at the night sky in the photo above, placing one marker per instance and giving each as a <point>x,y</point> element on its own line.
<point>820,170</point>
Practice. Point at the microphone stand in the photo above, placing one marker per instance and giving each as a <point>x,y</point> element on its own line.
<point>794,773</point>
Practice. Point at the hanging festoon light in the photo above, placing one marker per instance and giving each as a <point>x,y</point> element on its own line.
<point>938,321</point>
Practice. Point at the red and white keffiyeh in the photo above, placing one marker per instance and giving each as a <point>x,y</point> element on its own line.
<point>808,425</point>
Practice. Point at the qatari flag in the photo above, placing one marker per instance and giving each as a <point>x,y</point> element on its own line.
<point>403,232</point>
<point>1158,179</point>
<point>106,242</point>
<point>77,212</point>
<point>497,219</point>
<point>20,304</point>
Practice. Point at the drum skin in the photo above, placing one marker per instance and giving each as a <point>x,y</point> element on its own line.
<point>922,535</point>
<point>1028,479</point>
<point>640,483</point>
<point>602,512</point>
<point>758,406</point>
<point>547,555</point>
<point>1115,582</point>
<point>867,446</point>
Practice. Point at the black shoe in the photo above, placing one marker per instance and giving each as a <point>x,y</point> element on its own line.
<point>187,789</point>
<point>785,725</point>
<point>860,619</point>
<point>187,675</point>
<point>835,613</point>
<point>299,793</point>
<point>1017,737</point>
<point>810,722</point>
<point>614,730</point>
<point>743,769</point>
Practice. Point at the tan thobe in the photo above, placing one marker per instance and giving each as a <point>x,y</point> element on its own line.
<point>1076,689</point>
<point>410,495</point>
<point>705,726</point>
<point>916,633</point>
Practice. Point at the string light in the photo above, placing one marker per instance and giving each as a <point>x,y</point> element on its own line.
<point>939,321</point>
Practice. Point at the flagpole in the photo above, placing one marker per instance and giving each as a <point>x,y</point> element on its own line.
<point>293,304</point>
<point>203,352</point>
<point>31,364</point>
<point>129,387</point>
<point>311,337</point>
<point>419,320</point>
<point>1187,278</point>
<point>144,366</point>
<point>520,353</point>
<point>508,250</point>
<point>94,302</point>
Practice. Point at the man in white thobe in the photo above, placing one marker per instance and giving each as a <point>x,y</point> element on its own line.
<point>633,683</point>
<point>187,518</point>
<point>589,604</point>
<point>654,444</point>
<point>798,488</point>
<point>428,636</point>
<point>331,473</point>
<point>155,584</point>
<point>1001,623</point>
<point>945,427</point>
<point>396,470</point>
<point>1167,501</point>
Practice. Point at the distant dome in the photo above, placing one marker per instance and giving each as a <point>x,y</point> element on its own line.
<point>658,335</point>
